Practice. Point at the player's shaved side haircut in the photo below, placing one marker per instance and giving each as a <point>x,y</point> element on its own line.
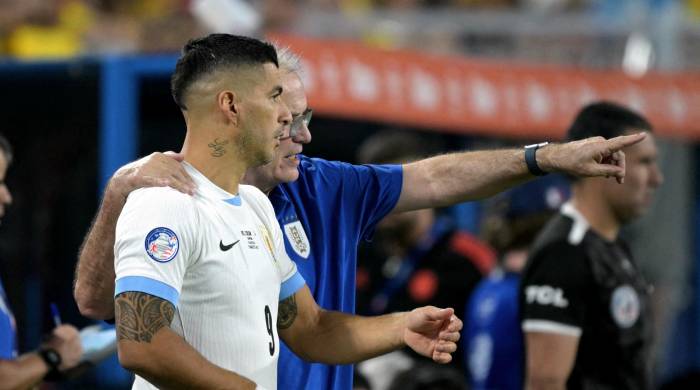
<point>202,56</point>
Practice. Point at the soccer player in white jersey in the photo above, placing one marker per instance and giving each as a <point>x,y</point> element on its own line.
<point>199,278</point>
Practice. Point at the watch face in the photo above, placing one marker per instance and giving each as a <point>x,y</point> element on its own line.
<point>52,357</point>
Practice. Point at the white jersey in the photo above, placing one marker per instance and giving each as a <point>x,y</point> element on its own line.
<point>220,260</point>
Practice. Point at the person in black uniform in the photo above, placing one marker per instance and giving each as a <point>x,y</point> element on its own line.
<point>584,304</point>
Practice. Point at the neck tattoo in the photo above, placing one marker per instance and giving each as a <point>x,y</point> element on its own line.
<point>218,147</point>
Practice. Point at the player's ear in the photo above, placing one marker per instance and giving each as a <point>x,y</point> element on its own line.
<point>226,101</point>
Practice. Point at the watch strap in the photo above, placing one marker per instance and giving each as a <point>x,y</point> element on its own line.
<point>531,159</point>
<point>53,360</point>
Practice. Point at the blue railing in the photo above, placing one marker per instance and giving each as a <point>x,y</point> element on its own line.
<point>119,107</point>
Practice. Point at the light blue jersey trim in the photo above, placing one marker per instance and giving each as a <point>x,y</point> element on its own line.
<point>148,286</point>
<point>236,200</point>
<point>291,286</point>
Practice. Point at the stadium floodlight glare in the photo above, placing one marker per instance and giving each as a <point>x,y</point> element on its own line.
<point>639,55</point>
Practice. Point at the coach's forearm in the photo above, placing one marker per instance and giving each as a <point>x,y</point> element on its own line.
<point>457,177</point>
<point>94,275</point>
<point>168,362</point>
<point>340,338</point>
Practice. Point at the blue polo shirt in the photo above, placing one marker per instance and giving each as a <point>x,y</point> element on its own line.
<point>493,342</point>
<point>323,216</point>
<point>8,334</point>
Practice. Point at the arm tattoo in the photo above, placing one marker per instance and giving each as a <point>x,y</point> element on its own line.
<point>287,313</point>
<point>140,316</point>
<point>218,147</point>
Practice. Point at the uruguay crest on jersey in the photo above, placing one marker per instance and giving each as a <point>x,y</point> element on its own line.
<point>297,238</point>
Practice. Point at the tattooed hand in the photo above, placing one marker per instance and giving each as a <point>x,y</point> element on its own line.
<point>139,316</point>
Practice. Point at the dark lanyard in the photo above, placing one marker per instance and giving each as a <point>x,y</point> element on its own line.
<point>381,300</point>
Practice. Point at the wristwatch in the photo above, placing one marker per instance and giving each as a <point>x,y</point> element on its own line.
<point>53,360</point>
<point>531,159</point>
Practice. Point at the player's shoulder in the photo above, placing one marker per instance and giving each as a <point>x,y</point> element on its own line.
<point>146,205</point>
<point>252,197</point>
<point>161,196</point>
<point>159,193</point>
<point>249,192</point>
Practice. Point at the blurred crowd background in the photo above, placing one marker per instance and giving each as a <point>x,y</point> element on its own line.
<point>592,33</point>
<point>53,108</point>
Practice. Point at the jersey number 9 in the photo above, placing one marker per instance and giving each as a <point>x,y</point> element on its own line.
<point>270,329</point>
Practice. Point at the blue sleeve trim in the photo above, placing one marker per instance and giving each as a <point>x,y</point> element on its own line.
<point>291,286</point>
<point>396,181</point>
<point>389,182</point>
<point>148,286</point>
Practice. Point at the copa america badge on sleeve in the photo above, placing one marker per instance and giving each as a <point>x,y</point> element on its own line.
<point>162,244</point>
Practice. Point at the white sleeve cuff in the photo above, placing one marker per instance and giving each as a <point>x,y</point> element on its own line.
<point>551,327</point>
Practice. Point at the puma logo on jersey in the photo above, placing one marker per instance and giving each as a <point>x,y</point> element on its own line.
<point>546,296</point>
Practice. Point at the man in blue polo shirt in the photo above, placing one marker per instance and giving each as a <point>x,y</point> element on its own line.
<point>325,208</point>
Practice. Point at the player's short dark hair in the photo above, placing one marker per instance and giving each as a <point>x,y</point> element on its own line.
<point>6,149</point>
<point>202,56</point>
<point>607,120</point>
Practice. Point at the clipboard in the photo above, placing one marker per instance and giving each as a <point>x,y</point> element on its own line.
<point>98,344</point>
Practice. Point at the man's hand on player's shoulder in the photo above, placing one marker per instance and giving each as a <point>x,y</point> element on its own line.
<point>155,170</point>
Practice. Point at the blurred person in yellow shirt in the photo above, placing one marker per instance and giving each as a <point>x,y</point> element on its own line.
<point>51,30</point>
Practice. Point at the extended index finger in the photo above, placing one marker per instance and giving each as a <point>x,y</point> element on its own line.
<point>621,164</point>
<point>623,141</point>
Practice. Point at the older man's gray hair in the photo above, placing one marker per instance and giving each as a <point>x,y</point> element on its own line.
<point>288,60</point>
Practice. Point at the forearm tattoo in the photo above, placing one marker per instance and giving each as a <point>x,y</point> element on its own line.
<point>287,313</point>
<point>139,316</point>
<point>217,147</point>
